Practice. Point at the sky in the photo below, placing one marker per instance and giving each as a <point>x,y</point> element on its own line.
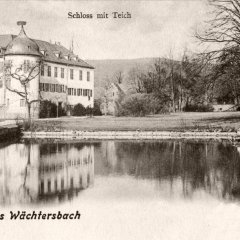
<point>155,28</point>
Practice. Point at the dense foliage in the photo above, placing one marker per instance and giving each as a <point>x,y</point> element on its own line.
<point>80,110</point>
<point>49,109</point>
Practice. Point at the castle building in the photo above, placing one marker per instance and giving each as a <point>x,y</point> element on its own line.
<point>113,96</point>
<point>57,74</point>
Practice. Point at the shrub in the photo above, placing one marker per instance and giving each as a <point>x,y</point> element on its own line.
<point>48,109</point>
<point>61,111</point>
<point>96,109</point>
<point>156,105</point>
<point>140,104</point>
<point>79,110</point>
<point>198,108</point>
<point>134,105</point>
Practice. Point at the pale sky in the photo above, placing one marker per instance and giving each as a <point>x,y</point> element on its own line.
<point>154,29</point>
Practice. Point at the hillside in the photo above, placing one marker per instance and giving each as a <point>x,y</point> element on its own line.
<point>108,68</point>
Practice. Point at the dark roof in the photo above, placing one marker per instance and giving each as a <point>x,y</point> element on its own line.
<point>22,45</point>
<point>50,52</point>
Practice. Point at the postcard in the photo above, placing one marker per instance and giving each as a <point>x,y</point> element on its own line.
<point>119,120</point>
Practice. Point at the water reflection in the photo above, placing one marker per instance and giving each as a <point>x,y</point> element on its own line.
<point>56,170</point>
<point>180,168</point>
<point>34,172</point>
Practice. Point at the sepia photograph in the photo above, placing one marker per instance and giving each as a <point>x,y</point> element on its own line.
<point>120,119</point>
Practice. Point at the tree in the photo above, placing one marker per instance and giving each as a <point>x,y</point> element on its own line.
<point>226,76</point>
<point>23,74</point>
<point>193,80</point>
<point>224,27</point>
<point>134,80</point>
<point>135,105</point>
<point>96,108</point>
<point>119,77</point>
<point>106,97</point>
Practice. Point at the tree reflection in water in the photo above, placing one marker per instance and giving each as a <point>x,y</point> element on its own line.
<point>56,170</point>
<point>211,166</point>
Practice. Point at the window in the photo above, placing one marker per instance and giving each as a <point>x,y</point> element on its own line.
<point>41,86</point>
<point>62,72</point>
<point>26,65</point>
<point>47,87</point>
<point>71,73</point>
<point>57,55</point>
<point>88,76</point>
<point>80,75</point>
<point>84,92</point>
<point>42,187</point>
<point>80,181</point>
<point>49,71</point>
<point>42,70</point>
<point>49,186</point>
<point>88,179</point>
<point>22,103</point>
<point>62,183</point>
<point>55,72</point>
<point>51,87</point>
<point>8,83</point>
<point>55,185</point>
<point>42,52</point>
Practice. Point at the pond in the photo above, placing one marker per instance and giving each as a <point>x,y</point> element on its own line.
<point>170,189</point>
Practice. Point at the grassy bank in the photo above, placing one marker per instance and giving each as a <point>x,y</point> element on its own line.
<point>222,121</point>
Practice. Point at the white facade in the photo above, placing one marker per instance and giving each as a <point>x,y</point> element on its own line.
<point>62,77</point>
<point>14,106</point>
<point>67,90</point>
<point>72,88</point>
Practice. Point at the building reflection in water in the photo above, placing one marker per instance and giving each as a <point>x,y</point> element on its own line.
<point>56,170</point>
<point>36,172</point>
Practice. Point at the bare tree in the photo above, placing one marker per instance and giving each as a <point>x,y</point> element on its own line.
<point>224,26</point>
<point>23,75</point>
<point>223,29</point>
<point>119,77</point>
<point>106,98</point>
<point>135,81</point>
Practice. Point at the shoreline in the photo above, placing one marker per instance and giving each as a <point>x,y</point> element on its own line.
<point>133,135</point>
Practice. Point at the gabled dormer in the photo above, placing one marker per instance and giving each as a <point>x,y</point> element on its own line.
<point>57,54</point>
<point>43,52</point>
<point>73,57</point>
